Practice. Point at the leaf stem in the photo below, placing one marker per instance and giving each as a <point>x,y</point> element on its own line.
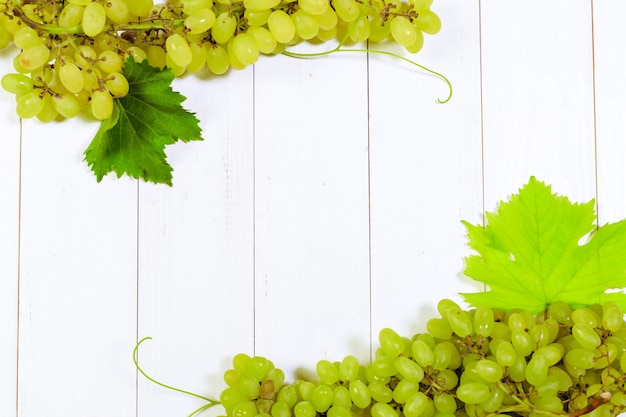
<point>210,402</point>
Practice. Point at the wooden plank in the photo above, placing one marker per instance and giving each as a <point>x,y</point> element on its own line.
<point>538,97</point>
<point>196,251</point>
<point>610,93</point>
<point>311,211</point>
<point>425,172</point>
<point>77,279</point>
<point>9,240</point>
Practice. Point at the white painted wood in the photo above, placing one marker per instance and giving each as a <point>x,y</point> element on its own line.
<point>196,251</point>
<point>77,279</point>
<point>610,102</point>
<point>537,97</point>
<point>9,241</point>
<point>425,172</point>
<point>311,210</point>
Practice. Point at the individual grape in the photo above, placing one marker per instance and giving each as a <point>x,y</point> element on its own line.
<point>549,387</point>
<point>360,394</point>
<point>256,18</point>
<point>428,22</point>
<point>536,370</point>
<point>305,389</point>
<point>245,409</point>
<point>404,389</point>
<point>422,353</point>
<point>29,105</point>
<point>140,7</point>
<point>341,397</point>
<point>551,353</point>
<point>561,312</point>
<point>178,50</point>
<point>347,10</point>
<point>493,403</point>
<point>409,369</point>
<point>550,403</point>
<point>360,29</point>
<point>489,370</point>
<point>200,21</point>
<point>304,409</point>
<point>224,28</point>
<point>245,49</point>
<point>217,59</point>
<point>383,410</point>
<point>71,77</point>
<point>314,7</point>
<point>256,5</point>
<point>459,320</point>
<point>48,113</point>
<point>263,38</point>
<point>585,335</point>
<point>483,321</point>
<point>117,11</point>
<point>328,19</point>
<point>5,36</point>
<point>580,358</point>
<point>473,393</point>
<point>232,57</point>
<point>417,405</point>
<point>249,386</point>
<point>517,371</point>
<point>101,104</point>
<point>380,392</point>
<point>192,6</point>
<point>157,56</point>
<point>505,354</point>
<point>232,377</point>
<point>27,37</point>
<point>564,380</point>
<point>327,372</point>
<point>587,316</point>
<point>281,26</point>
<point>403,32</point>
<point>281,409</point>
<point>34,57</point>
<point>18,84</point>
<point>109,61</point>
<point>71,15</point>
<point>322,398</point>
<point>379,30</point>
<point>198,57</point>
<point>439,328</point>
<point>94,19</point>
<point>117,84</point>
<point>447,379</point>
<point>445,403</point>
<point>612,316</point>
<point>338,412</point>
<point>307,26</point>
<point>391,342</point>
<point>522,342</point>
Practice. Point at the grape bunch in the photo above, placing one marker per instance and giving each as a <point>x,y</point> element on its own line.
<point>72,52</point>
<point>476,363</point>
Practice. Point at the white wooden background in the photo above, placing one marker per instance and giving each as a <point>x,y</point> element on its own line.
<point>324,204</point>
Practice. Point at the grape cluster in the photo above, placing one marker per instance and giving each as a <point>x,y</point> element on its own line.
<point>477,363</point>
<point>72,52</point>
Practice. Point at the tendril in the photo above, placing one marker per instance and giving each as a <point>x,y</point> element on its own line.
<point>210,402</point>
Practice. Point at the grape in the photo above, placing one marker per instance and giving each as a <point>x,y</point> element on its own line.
<point>428,22</point>
<point>101,104</point>
<point>94,18</point>
<point>360,394</point>
<point>439,328</point>
<point>473,393</point>
<point>117,11</point>
<point>110,62</point>
<point>314,7</point>
<point>483,321</point>
<point>585,335</point>
<point>224,28</point>
<point>489,370</point>
<point>34,57</point>
<point>383,410</point>
<point>70,16</point>
<point>178,50</point>
<point>327,372</point>
<point>245,49</point>
<point>71,77</point>
<point>612,316</point>
<point>200,21</point>
<point>585,315</point>
<point>339,412</point>
<point>256,5</point>
<point>403,32</point>
<point>458,319</point>
<point>380,392</point>
<point>263,38</point>
<point>27,37</point>
<point>140,7</point>
<point>347,10</point>
<point>18,84</point>
<point>217,59</point>
<point>307,26</point>
<point>304,409</point>
<point>281,26</point>
<point>29,105</point>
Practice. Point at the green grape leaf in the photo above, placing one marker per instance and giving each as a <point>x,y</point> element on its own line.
<point>539,247</point>
<point>132,141</point>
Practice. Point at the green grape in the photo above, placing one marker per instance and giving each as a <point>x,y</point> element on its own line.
<point>505,354</point>
<point>245,49</point>
<point>325,35</point>
<point>245,409</point>
<point>101,104</point>
<point>305,389</point>
<point>198,57</point>
<point>341,397</point>
<point>117,11</point>
<point>447,379</point>
<point>612,316</point>
<point>263,38</point>
<point>360,394</point>
<point>459,320</point>
<point>109,61</point>
<point>561,312</point>
<point>428,22</point>
<point>327,371</point>
<point>85,55</point>
<point>493,403</point>
<point>314,7</point>
<point>192,6</point>
<point>380,392</point>
<point>404,389</point>
<point>348,369</point>
<point>391,342</point>
<point>307,26</point>
<point>5,37</point>
<point>256,18</point>
<point>18,84</point>
<point>409,369</point>
<point>48,113</point>
<point>379,30</point>
<point>322,397</point>
<point>217,59</point>
<point>443,355</point>
<point>422,353</point>
<point>500,330</point>
<point>587,316</point>
<point>281,409</point>
<point>178,50</point>
<point>232,377</point>
<point>549,387</point>
<point>536,370</point>
<point>338,412</point>
<point>281,26</point>
<point>403,32</point>
<point>328,19</point>
<point>256,5</point>
<point>439,328</point>
<point>489,370</point>
<point>580,358</point>
<point>140,7</point>
<point>71,15</point>
<point>522,342</point>
<point>551,353</point>
<point>360,29</point>
<point>347,10</point>
<point>249,386</point>
<point>585,335</point>
<point>232,57</point>
<point>383,410</point>
<point>473,392</point>
<point>94,19</point>
<point>34,57</point>
<point>79,2</point>
<point>29,105</point>
<point>445,403</point>
<point>288,395</point>
<point>564,380</point>
<point>200,21</point>
<point>71,77</point>
<point>483,321</point>
<point>276,376</point>
<point>224,28</point>
<point>551,403</point>
<point>304,409</point>
<point>517,322</point>
<point>27,37</point>
<point>417,405</point>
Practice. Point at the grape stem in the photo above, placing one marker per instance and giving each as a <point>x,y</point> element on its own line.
<point>210,402</point>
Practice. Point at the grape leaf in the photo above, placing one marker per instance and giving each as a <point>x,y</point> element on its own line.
<point>532,252</point>
<point>132,141</point>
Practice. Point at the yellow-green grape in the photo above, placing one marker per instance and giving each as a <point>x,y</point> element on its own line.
<point>79,2</point>
<point>428,22</point>
<point>409,369</point>
<point>174,67</point>
<point>94,19</point>
<point>439,328</point>
<point>139,8</point>
<point>257,18</point>
<point>33,57</point>
<point>224,27</point>
<point>27,37</point>
<point>326,35</point>
<point>445,403</point>
<point>489,370</point>
<point>29,105</point>
<point>585,335</point>
<point>90,79</point>
<point>156,56</point>
<point>404,389</point>
<point>48,113</point>
<point>403,31</point>
<point>338,412</point>
<point>265,41</point>
<point>85,56</point>
<point>18,84</point>
<point>383,410</point>
<point>71,77</point>
<point>137,53</point>
<point>5,37</point>
<point>586,315</point>
<point>473,393</point>
<point>379,30</point>
<point>422,353</point>
<point>66,105</point>
<point>341,397</point>
<point>280,409</point>
<point>483,321</point>
<point>117,84</point>
<point>217,59</point>
<point>304,409</point>
<point>328,19</point>
<point>418,44</point>
<point>10,24</point>
<point>192,6</point>
<point>536,370</point>
<point>417,405</point>
<point>245,49</point>
<point>71,15</point>
<point>314,7</point>
<point>109,61</point>
<point>178,50</point>
<point>360,394</point>
<point>200,21</point>
<point>322,398</point>
<point>117,11</point>
<point>380,392</point>
<point>360,29</point>
<point>612,316</point>
<point>347,10</point>
<point>307,26</point>
<point>459,320</point>
<point>101,104</point>
<point>281,26</point>
<point>260,4</point>
<point>348,368</point>
<point>327,371</point>
<point>198,57</point>
<point>522,342</point>
<point>245,409</point>
<point>505,353</point>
